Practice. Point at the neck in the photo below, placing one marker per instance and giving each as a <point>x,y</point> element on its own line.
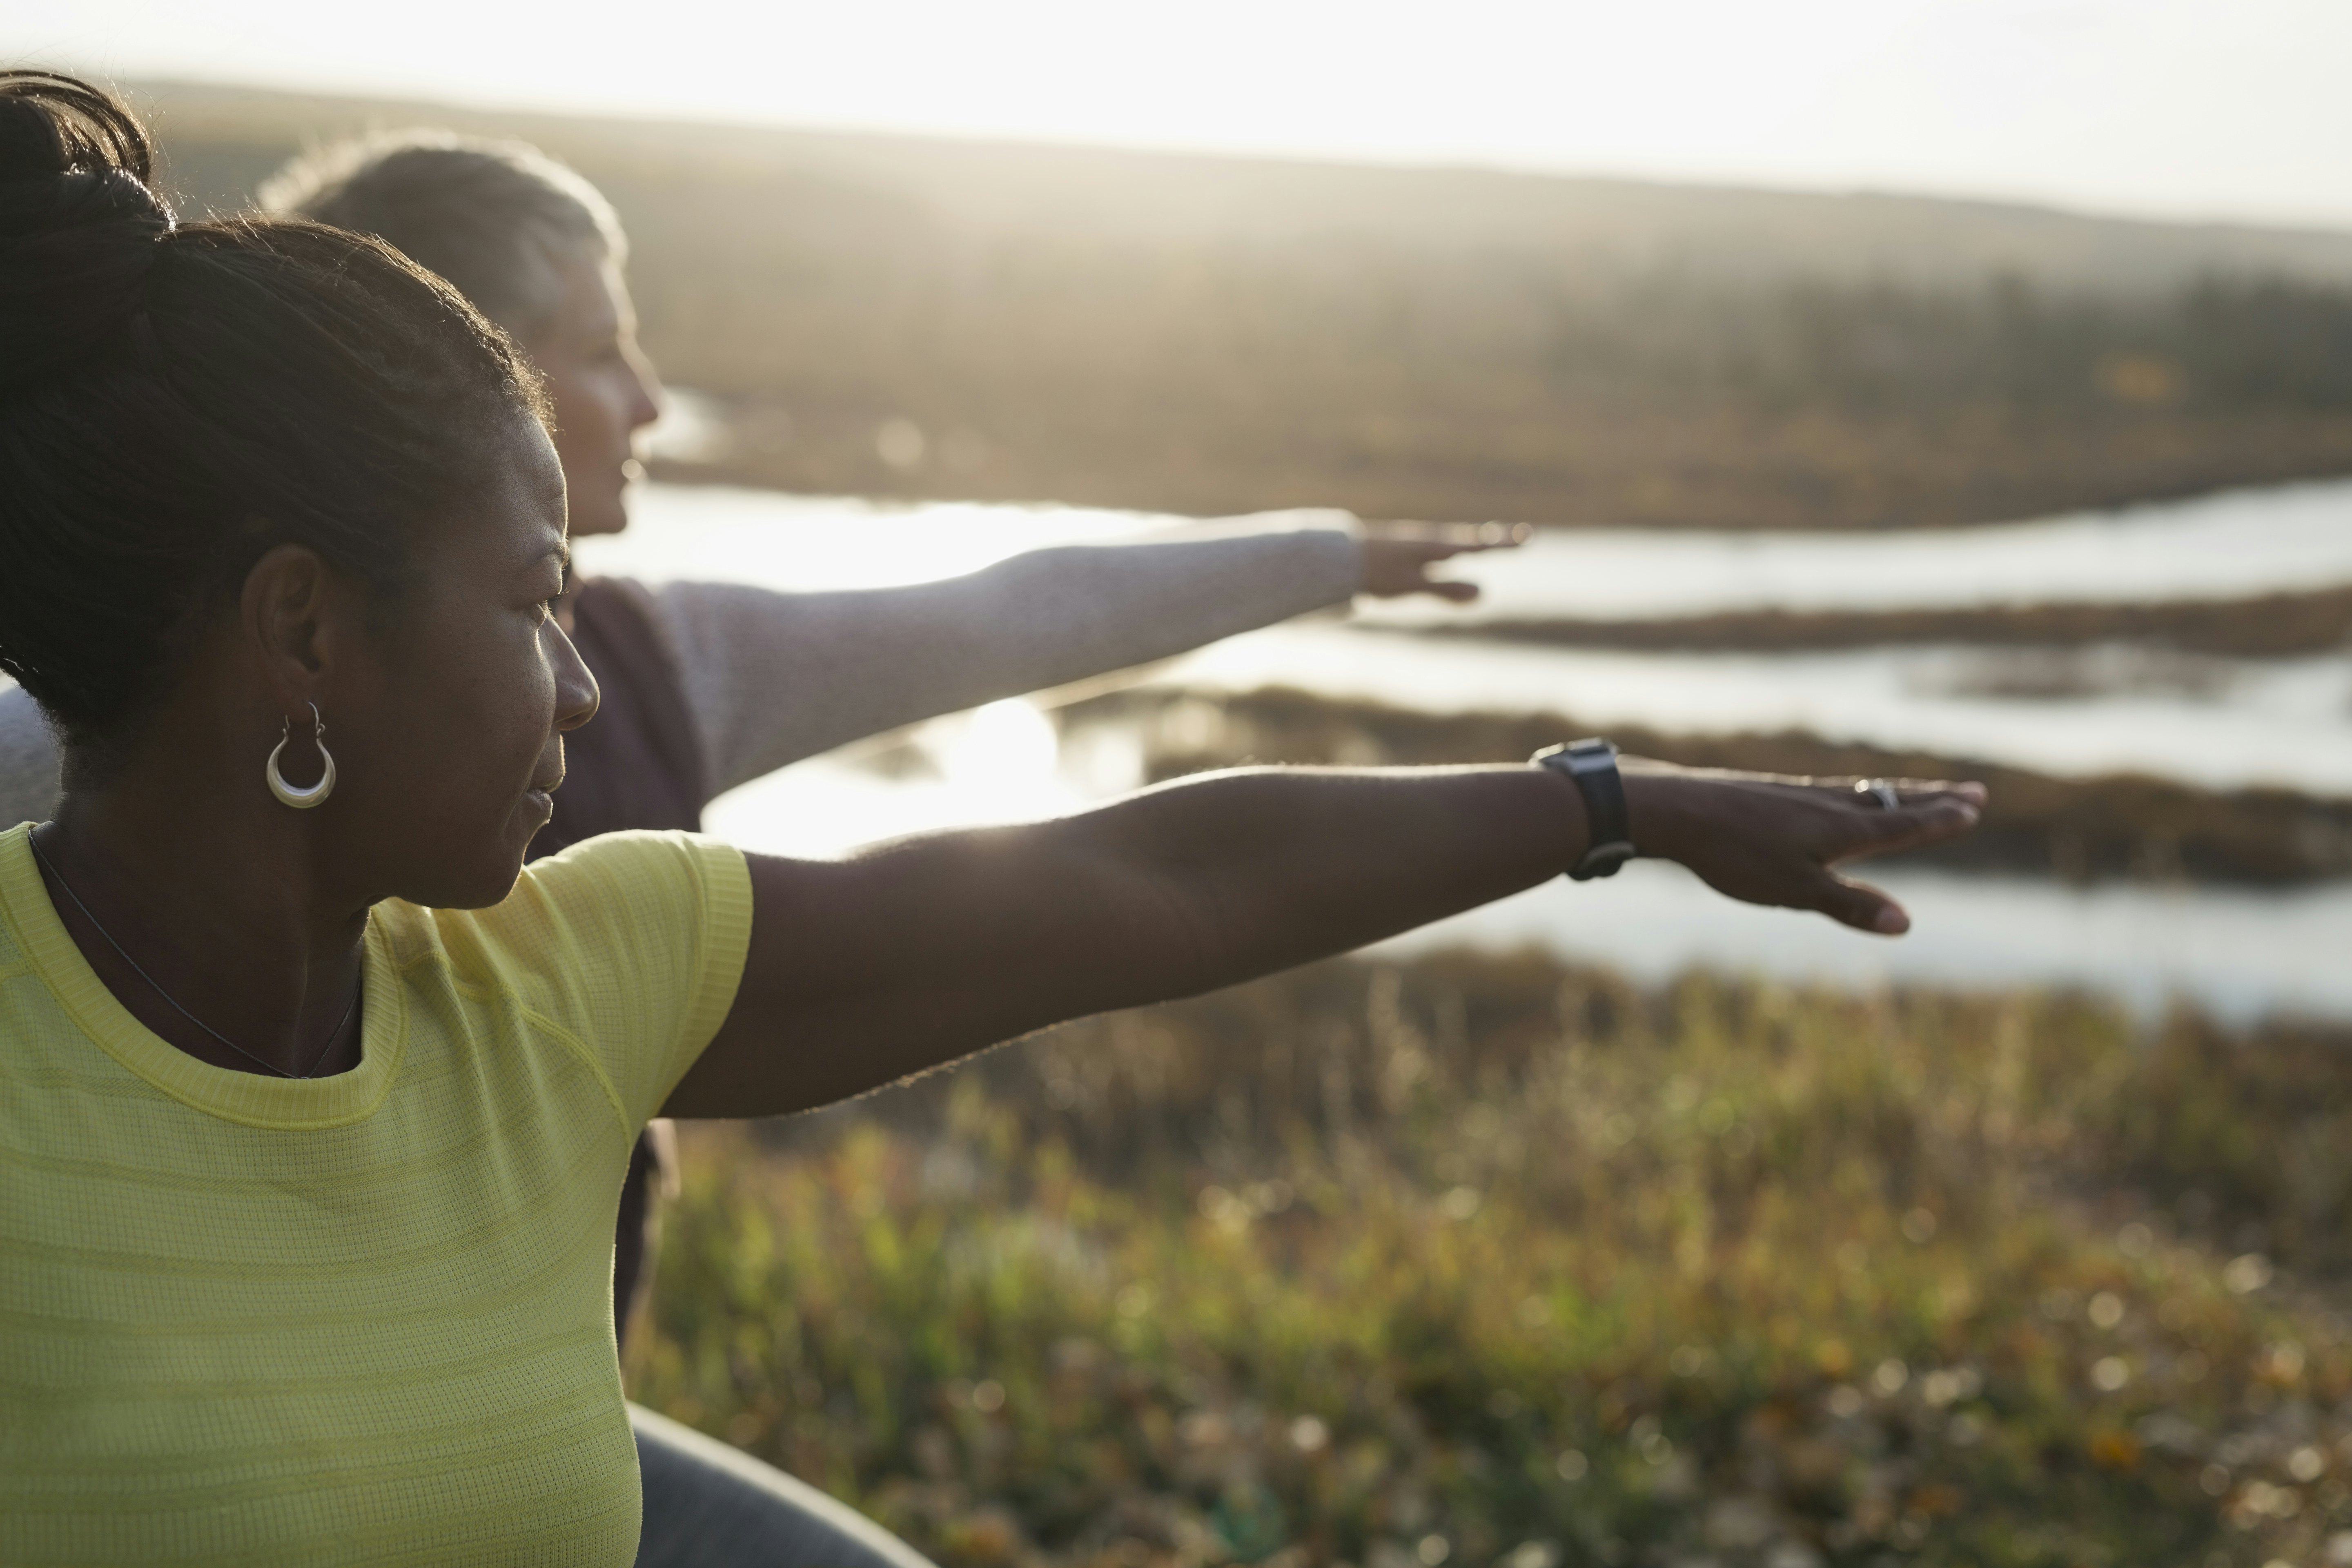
<point>215,895</point>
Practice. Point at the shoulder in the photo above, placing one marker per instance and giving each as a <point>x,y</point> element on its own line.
<point>639,871</point>
<point>632,943</point>
<point>569,916</point>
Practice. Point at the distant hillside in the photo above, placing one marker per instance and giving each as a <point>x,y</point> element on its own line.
<point>894,315</point>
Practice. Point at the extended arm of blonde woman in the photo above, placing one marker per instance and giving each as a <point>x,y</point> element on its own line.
<point>772,677</point>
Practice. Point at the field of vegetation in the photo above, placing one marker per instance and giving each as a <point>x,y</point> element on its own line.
<point>892,316</point>
<point>1494,1261</point>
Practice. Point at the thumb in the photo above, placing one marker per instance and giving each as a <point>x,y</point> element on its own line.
<point>1861,906</point>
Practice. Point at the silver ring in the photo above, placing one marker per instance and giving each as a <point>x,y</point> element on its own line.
<point>1880,791</point>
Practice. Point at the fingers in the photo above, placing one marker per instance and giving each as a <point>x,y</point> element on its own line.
<point>1927,812</point>
<point>1921,790</point>
<point>1429,551</point>
<point>1441,541</point>
<point>1910,792</point>
<point>1861,906</point>
<point>1868,831</point>
<point>1488,536</point>
<point>1396,567</point>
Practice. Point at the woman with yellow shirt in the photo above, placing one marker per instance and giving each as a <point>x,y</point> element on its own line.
<point>313,1103</point>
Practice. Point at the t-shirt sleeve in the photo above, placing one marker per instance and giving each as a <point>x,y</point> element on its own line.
<point>632,944</point>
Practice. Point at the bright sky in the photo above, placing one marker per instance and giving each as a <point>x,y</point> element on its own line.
<point>2196,108</point>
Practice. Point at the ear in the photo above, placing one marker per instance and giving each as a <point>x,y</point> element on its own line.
<point>296,613</point>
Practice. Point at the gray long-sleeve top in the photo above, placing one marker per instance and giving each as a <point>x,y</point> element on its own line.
<point>772,677</point>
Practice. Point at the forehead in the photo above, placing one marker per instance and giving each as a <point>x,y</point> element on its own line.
<point>595,301</point>
<point>517,516</point>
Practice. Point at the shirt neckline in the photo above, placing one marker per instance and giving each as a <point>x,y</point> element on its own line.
<point>251,1099</point>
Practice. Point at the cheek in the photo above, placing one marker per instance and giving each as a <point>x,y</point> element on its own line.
<point>485,709</point>
<point>590,408</point>
<point>528,700</point>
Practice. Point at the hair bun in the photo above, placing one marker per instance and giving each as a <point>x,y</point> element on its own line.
<point>78,224</point>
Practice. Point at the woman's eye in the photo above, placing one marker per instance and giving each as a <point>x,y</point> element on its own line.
<point>547,607</point>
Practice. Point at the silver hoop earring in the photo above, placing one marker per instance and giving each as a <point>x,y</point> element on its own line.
<point>301,799</point>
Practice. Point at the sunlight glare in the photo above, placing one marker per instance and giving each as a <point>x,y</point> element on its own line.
<point>1005,752</point>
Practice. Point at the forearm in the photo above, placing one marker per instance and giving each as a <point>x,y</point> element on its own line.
<point>1275,867</point>
<point>912,954</point>
<point>773,678</point>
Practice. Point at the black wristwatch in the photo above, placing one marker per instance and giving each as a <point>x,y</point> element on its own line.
<point>1592,763</point>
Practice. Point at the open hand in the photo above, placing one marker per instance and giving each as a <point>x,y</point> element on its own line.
<point>1765,838</point>
<point>1397,558</point>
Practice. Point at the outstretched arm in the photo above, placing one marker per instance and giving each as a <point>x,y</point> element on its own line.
<point>773,678</point>
<point>913,953</point>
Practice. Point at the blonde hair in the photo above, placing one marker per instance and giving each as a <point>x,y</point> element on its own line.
<point>498,219</point>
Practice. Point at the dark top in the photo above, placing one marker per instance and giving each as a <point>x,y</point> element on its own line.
<point>638,763</point>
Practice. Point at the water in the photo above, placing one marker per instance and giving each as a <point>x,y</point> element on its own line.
<point>2237,955</point>
<point>2239,543</point>
<point>2214,723</point>
<point>719,533</point>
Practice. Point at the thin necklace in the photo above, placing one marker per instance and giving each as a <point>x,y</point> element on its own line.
<point>332,1034</point>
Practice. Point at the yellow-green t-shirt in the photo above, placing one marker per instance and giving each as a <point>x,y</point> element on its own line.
<point>359,1319</point>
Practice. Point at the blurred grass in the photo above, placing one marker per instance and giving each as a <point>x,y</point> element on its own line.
<point>1492,1261</point>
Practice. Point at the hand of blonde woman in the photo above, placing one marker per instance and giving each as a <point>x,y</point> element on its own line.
<point>1398,558</point>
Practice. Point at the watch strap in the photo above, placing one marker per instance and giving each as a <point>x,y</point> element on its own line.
<point>1592,765</point>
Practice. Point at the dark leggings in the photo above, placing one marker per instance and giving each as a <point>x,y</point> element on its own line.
<point>707,1505</point>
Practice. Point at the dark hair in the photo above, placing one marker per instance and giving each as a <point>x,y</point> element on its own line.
<point>499,220</point>
<point>175,399</point>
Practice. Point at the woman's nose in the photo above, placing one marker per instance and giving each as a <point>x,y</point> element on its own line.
<point>577,694</point>
<point>644,406</point>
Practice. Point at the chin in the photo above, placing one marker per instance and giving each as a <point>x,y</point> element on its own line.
<point>475,886</point>
<point>494,876</point>
<point>607,514</point>
<point>486,878</point>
